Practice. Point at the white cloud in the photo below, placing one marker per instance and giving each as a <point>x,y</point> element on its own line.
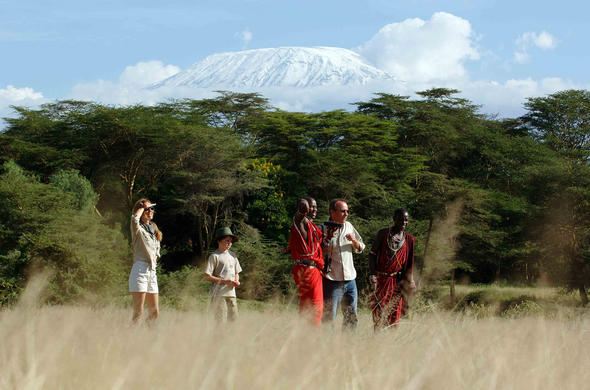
<point>16,95</point>
<point>329,97</point>
<point>507,98</point>
<point>542,40</point>
<point>245,37</point>
<point>521,56</point>
<point>554,84</point>
<point>130,87</point>
<point>124,92</point>
<point>147,73</point>
<point>421,54</point>
<point>108,92</point>
<point>415,50</point>
<point>503,98</point>
<point>12,96</point>
<point>545,41</point>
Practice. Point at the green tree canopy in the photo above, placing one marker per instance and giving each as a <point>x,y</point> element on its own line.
<point>43,226</point>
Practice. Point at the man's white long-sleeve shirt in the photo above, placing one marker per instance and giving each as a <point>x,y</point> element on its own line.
<point>340,250</point>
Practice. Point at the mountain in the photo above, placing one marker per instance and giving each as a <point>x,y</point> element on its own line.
<point>278,67</point>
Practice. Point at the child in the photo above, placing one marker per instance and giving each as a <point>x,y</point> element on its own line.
<point>222,271</point>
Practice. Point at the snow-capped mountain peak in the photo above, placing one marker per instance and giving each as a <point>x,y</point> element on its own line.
<point>278,67</point>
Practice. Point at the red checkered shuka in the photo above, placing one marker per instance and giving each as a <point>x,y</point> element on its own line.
<point>387,302</point>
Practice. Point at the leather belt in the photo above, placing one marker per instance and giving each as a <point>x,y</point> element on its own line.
<point>390,275</point>
<point>306,262</point>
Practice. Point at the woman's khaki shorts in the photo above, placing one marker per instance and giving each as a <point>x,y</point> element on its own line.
<point>143,279</point>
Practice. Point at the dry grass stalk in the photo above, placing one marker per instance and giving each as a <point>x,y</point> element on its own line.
<point>78,347</point>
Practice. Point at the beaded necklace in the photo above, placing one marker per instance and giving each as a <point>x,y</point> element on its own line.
<point>395,243</point>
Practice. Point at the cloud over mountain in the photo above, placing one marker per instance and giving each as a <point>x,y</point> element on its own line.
<point>130,87</point>
<point>421,51</point>
<point>401,58</point>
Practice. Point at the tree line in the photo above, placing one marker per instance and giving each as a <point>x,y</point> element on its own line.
<point>511,195</point>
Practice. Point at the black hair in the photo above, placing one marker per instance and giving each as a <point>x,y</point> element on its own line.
<point>398,213</point>
<point>300,201</point>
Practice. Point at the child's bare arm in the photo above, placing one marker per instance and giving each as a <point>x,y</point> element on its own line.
<point>215,279</point>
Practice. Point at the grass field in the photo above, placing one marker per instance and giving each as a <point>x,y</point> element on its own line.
<point>68,347</point>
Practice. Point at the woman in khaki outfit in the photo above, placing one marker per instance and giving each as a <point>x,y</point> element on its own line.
<point>146,238</point>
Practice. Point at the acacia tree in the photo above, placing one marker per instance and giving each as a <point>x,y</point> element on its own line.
<point>489,164</point>
<point>124,151</point>
<point>562,122</point>
<point>129,152</point>
<point>207,187</point>
<point>230,110</point>
<point>337,154</point>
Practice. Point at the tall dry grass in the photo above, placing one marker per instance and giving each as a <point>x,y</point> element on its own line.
<point>83,348</point>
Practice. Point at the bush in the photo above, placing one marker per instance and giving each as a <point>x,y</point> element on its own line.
<point>72,182</point>
<point>519,307</point>
<point>478,297</point>
<point>433,293</point>
<point>44,226</point>
<point>183,289</point>
<point>266,269</point>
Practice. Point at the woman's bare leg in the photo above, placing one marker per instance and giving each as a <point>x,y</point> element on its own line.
<point>152,304</point>
<point>138,300</point>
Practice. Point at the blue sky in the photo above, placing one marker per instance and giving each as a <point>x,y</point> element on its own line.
<point>496,52</point>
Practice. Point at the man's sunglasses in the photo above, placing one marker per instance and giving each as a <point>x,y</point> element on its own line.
<point>151,208</point>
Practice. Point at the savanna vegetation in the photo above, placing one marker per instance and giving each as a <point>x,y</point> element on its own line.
<point>491,200</point>
<point>71,347</point>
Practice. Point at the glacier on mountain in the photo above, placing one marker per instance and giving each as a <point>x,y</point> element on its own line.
<point>300,67</point>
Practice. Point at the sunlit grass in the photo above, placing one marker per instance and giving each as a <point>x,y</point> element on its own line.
<point>270,347</point>
<point>507,291</point>
<point>549,299</point>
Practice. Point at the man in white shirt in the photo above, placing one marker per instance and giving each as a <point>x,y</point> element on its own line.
<point>339,282</point>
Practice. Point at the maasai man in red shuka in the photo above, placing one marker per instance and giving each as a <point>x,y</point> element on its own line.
<point>305,246</point>
<point>391,267</point>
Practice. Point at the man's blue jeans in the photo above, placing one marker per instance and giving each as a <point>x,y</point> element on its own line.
<point>341,293</point>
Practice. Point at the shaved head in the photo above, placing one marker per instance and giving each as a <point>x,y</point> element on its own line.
<point>303,206</point>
